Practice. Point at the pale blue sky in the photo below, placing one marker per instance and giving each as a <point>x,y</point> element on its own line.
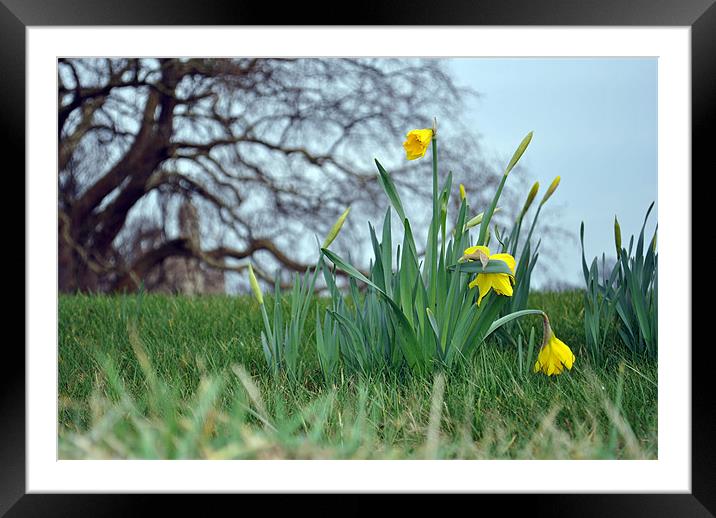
<point>595,125</point>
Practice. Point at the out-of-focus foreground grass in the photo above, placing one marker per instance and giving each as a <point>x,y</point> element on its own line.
<point>184,377</point>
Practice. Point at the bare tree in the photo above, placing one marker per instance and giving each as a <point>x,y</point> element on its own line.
<point>269,151</point>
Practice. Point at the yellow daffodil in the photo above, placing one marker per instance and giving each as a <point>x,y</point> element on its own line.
<point>554,355</point>
<point>500,282</point>
<point>417,143</point>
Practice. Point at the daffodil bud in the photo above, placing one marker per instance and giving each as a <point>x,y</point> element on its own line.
<point>255,285</point>
<point>530,197</point>
<point>478,219</point>
<point>519,152</point>
<point>550,190</point>
<point>335,229</point>
<point>463,194</point>
<point>653,243</point>
<point>475,221</point>
<point>617,236</point>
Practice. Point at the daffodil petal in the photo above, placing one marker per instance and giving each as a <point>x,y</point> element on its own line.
<point>473,249</point>
<point>507,258</point>
<point>542,360</point>
<point>501,283</point>
<point>563,352</point>
<point>484,284</point>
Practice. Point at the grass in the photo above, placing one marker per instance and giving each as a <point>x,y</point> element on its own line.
<point>184,377</point>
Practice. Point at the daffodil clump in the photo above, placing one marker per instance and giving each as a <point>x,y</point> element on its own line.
<point>625,298</point>
<point>421,311</point>
<point>280,339</point>
<point>417,311</point>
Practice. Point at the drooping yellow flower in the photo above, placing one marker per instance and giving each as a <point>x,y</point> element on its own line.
<point>417,143</point>
<point>554,355</point>
<point>500,282</point>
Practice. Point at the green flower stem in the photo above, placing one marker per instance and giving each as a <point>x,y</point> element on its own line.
<point>532,227</point>
<point>490,211</point>
<point>483,238</point>
<point>432,274</point>
<point>267,326</point>
<point>515,235</point>
<point>435,174</point>
<point>517,314</point>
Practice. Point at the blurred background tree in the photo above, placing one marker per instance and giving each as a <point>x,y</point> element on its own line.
<point>175,171</point>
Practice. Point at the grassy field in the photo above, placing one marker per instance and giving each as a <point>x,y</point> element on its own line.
<point>184,377</point>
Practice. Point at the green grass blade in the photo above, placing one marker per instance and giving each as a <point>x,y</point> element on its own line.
<point>508,318</point>
<point>389,187</point>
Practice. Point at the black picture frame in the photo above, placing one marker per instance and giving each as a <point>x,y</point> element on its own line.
<point>700,15</point>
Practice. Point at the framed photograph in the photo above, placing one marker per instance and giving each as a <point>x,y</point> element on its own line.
<point>183,162</point>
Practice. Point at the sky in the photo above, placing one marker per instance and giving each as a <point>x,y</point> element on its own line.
<point>595,125</point>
